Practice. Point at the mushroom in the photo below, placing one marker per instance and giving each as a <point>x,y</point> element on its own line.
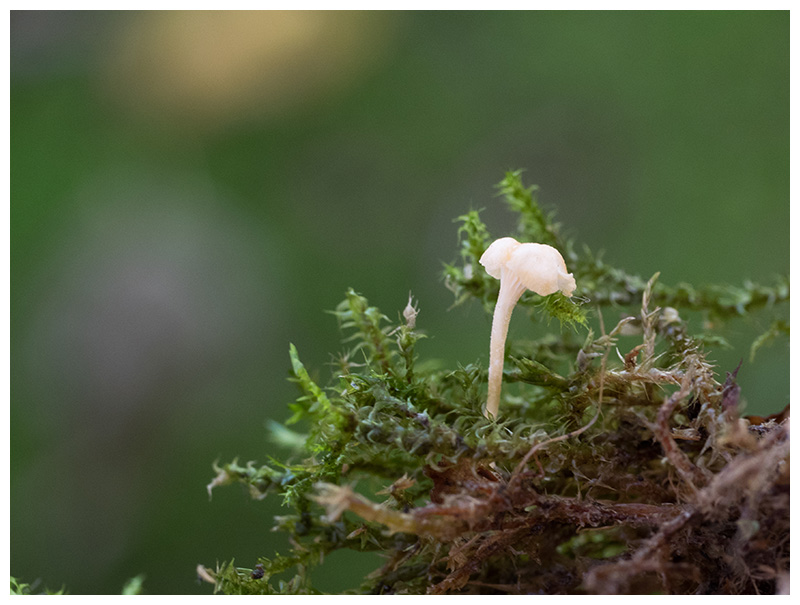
<point>519,267</point>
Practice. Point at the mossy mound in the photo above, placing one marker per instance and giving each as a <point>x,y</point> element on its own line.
<point>607,470</point>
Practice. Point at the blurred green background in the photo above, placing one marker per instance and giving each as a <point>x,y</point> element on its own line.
<point>191,191</point>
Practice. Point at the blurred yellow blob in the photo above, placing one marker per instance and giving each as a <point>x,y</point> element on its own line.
<point>218,67</point>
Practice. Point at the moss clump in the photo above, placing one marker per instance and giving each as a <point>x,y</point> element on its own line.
<point>23,588</point>
<point>619,465</point>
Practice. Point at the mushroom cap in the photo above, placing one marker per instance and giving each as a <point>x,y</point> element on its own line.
<point>538,267</point>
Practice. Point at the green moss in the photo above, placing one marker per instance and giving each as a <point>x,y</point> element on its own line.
<point>132,586</point>
<point>608,470</point>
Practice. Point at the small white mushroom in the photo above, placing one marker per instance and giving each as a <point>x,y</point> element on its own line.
<point>519,267</point>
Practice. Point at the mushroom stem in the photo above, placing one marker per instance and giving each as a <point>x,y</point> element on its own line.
<point>510,291</point>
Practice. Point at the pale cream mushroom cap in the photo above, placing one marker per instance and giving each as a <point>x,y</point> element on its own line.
<point>538,267</point>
